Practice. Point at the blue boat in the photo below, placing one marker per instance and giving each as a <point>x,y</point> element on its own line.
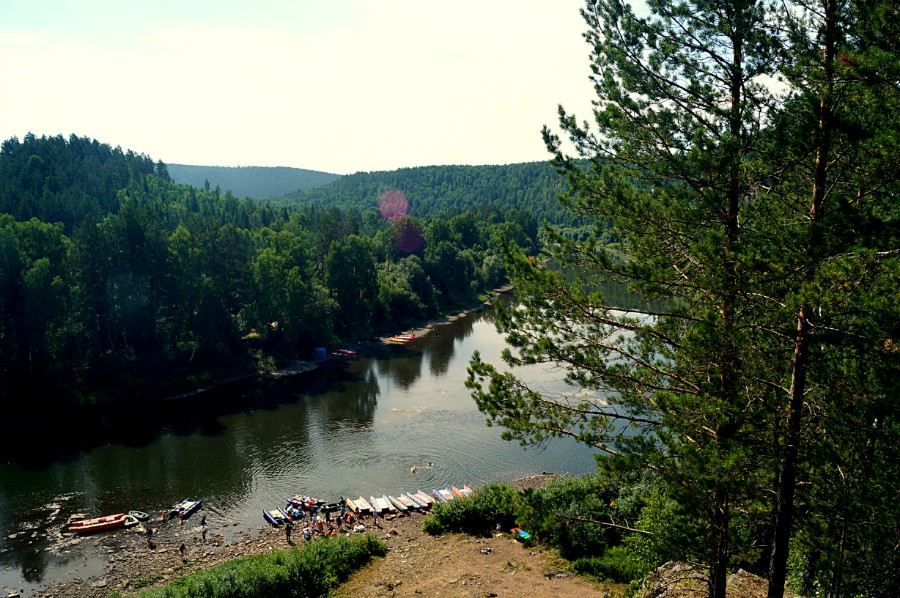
<point>184,509</point>
<point>275,517</point>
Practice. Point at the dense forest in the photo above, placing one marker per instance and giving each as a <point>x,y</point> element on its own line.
<point>113,276</point>
<point>485,190</point>
<point>255,182</point>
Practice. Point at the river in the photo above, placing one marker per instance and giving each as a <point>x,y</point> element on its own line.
<point>368,425</point>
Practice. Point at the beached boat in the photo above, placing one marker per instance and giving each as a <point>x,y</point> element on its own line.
<point>87,526</point>
<point>402,338</point>
<point>443,495</point>
<point>275,516</point>
<point>343,353</point>
<point>395,504</point>
<point>457,492</point>
<point>467,491</point>
<point>139,515</point>
<point>377,507</point>
<point>406,502</point>
<point>185,508</point>
<point>420,497</point>
<point>301,501</point>
<point>351,505</point>
<point>363,505</point>
<point>424,498</point>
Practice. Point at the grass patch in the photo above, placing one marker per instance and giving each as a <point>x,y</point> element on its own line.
<point>312,570</point>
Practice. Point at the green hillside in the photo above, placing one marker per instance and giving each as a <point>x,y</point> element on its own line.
<point>255,182</point>
<point>531,186</point>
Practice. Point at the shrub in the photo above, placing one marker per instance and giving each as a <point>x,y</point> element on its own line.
<point>478,515</point>
<point>309,571</point>
<point>563,511</point>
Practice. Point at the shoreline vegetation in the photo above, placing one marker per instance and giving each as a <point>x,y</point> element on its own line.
<point>304,366</point>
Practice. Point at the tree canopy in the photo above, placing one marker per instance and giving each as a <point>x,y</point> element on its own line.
<point>759,225</point>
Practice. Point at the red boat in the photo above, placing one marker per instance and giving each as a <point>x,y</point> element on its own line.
<point>86,526</point>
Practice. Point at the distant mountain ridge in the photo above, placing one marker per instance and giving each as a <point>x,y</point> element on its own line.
<point>531,186</point>
<point>255,182</point>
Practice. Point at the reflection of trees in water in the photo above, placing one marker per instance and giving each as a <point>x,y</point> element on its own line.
<point>403,367</point>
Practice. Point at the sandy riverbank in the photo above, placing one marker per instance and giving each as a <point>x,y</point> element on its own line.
<point>416,563</point>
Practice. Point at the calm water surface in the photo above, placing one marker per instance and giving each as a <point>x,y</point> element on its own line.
<point>350,428</point>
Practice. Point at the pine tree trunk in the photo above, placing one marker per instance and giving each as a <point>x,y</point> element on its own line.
<point>787,485</point>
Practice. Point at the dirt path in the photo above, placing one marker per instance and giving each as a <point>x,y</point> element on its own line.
<point>456,565</point>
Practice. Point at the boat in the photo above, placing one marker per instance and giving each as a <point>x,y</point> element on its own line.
<point>406,502</point>
<point>417,496</point>
<point>402,338</point>
<point>304,502</point>
<point>330,507</point>
<point>275,516</point>
<point>394,504</point>
<point>139,515</point>
<point>185,508</point>
<point>363,505</point>
<point>343,353</point>
<point>444,494</point>
<point>457,492</point>
<point>468,491</point>
<point>351,505</point>
<point>424,498</point>
<point>131,521</point>
<point>86,526</point>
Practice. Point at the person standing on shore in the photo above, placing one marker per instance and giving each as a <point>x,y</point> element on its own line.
<point>182,549</point>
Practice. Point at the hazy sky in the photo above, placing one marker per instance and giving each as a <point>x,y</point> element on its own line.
<point>333,85</point>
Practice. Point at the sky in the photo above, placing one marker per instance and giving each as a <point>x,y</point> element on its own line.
<point>339,86</point>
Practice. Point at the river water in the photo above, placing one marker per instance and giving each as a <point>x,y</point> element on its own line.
<point>364,426</point>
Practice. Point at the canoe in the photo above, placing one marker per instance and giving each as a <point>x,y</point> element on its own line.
<point>424,498</point>
<point>139,515</point>
<point>363,505</point>
<point>387,504</point>
<point>397,505</point>
<point>444,494</point>
<point>402,338</point>
<point>377,507</point>
<point>86,526</point>
<point>417,504</point>
<point>406,502</point>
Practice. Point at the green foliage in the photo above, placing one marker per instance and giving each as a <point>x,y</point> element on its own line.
<point>478,515</point>
<point>569,513</point>
<point>312,570</point>
<point>114,277</point>
<point>492,193</point>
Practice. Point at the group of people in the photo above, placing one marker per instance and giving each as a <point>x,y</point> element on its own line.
<point>321,524</point>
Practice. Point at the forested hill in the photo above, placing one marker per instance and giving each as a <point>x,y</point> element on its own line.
<point>255,182</point>
<point>532,186</point>
<point>118,284</point>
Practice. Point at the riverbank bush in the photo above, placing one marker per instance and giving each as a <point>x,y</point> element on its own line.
<point>312,570</point>
<point>492,505</point>
<point>586,519</point>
